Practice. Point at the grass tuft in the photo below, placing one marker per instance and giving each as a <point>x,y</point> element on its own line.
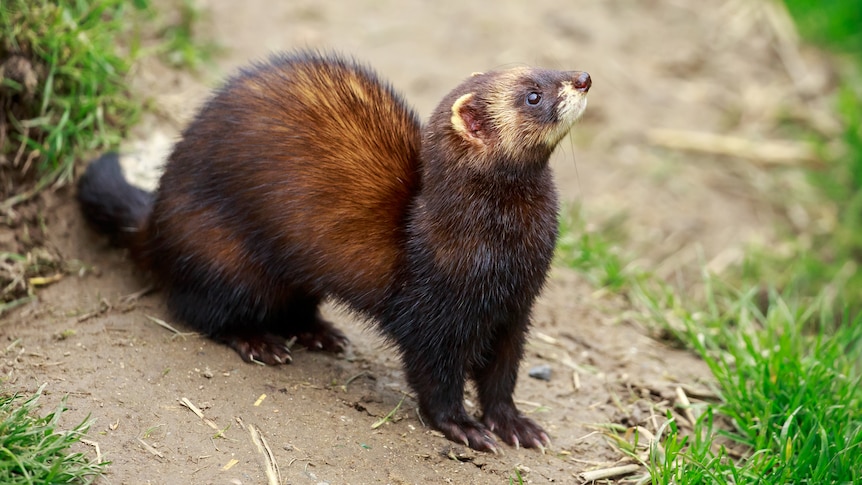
<point>590,250</point>
<point>34,451</point>
<point>787,372</point>
<point>63,87</point>
<point>74,99</point>
<point>791,391</point>
<point>831,23</point>
<point>180,46</point>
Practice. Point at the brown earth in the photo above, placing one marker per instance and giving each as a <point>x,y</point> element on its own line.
<point>712,66</point>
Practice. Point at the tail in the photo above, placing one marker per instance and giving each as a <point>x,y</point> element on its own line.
<point>111,204</point>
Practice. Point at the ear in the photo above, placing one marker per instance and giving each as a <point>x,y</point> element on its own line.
<point>466,119</point>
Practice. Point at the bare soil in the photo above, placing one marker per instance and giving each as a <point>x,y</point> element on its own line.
<point>712,66</point>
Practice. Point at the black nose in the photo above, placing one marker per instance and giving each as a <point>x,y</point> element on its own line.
<point>582,81</point>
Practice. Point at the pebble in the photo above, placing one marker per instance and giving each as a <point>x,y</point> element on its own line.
<point>542,372</point>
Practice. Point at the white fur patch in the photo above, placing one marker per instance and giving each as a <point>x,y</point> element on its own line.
<point>573,102</point>
<point>144,163</point>
<point>570,108</point>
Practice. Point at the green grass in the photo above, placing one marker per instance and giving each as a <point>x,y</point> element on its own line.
<point>831,23</point>
<point>828,260</point>
<point>64,96</point>
<point>782,335</point>
<point>82,103</point>
<point>33,450</point>
<point>789,381</point>
<point>592,252</point>
<point>787,376</point>
<point>79,54</point>
<point>180,46</point>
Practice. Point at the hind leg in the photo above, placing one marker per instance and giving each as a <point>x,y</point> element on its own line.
<point>244,319</point>
<point>260,347</point>
<point>233,316</point>
<point>300,318</point>
<point>267,340</point>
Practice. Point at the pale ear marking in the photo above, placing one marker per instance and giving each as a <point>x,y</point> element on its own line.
<point>457,120</point>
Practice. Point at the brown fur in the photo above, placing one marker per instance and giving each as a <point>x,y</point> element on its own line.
<point>307,178</point>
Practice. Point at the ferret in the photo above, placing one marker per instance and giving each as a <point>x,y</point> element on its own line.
<point>306,177</point>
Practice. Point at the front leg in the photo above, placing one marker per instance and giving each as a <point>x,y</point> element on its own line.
<point>435,352</point>
<point>437,375</point>
<point>495,381</point>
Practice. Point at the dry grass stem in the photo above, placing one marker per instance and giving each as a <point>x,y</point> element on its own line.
<point>543,337</point>
<point>766,152</point>
<point>95,446</point>
<point>273,475</point>
<point>104,306</point>
<point>150,449</point>
<point>185,402</point>
<point>567,361</point>
<point>357,376</point>
<point>386,418</point>
<point>45,280</point>
<point>169,327</point>
<point>699,392</point>
<point>685,405</point>
<point>606,473</point>
<point>131,297</point>
<point>532,404</point>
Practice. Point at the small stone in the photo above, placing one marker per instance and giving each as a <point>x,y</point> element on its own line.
<point>542,372</point>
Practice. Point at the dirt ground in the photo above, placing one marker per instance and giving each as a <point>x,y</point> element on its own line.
<point>712,66</point>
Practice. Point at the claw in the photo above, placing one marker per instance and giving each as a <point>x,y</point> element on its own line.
<point>516,429</point>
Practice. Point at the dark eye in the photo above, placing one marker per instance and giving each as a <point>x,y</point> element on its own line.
<point>534,98</point>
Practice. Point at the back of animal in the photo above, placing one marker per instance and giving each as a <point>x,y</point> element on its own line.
<point>297,169</point>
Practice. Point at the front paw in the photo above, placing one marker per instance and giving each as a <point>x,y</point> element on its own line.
<point>468,431</point>
<point>516,429</point>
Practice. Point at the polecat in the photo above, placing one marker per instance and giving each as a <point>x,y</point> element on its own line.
<point>307,177</point>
